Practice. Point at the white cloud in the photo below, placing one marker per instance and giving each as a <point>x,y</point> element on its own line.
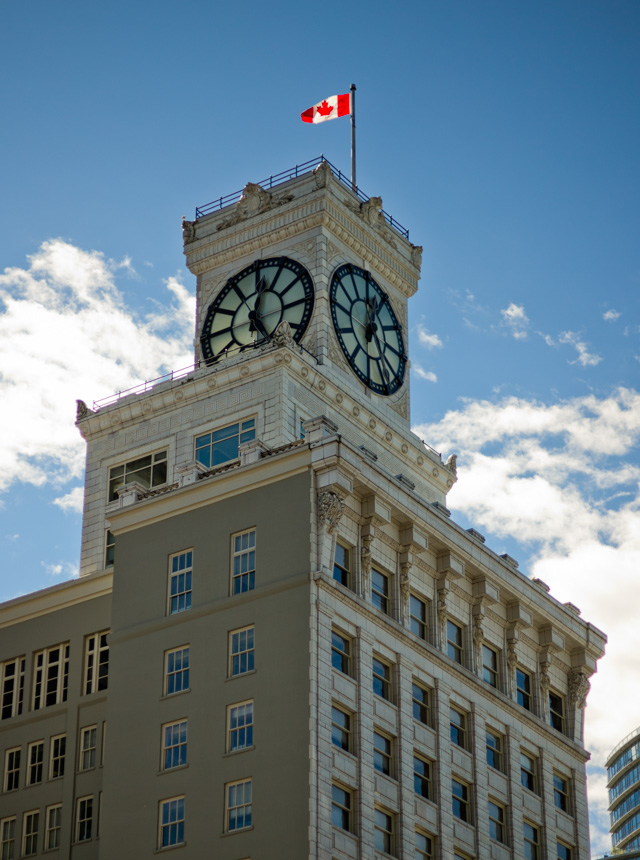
<point>611,315</point>
<point>424,374</point>
<point>564,480</point>
<point>431,341</point>
<point>72,501</point>
<point>61,570</point>
<point>66,334</point>
<point>515,318</point>
<point>585,358</point>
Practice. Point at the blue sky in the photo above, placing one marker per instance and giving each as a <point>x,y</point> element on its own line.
<point>504,135</point>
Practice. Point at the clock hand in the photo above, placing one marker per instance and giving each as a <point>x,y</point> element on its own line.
<point>255,323</point>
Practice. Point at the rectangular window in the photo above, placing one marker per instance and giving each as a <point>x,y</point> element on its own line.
<point>171,822</point>
<point>418,617</point>
<point>563,851</point>
<point>458,727</point>
<point>30,825</point>
<point>340,653</point>
<point>523,689</point>
<point>380,591</point>
<point>382,749</point>
<point>88,743</point>
<point>149,471</point>
<point>53,826</point>
<point>12,769</point>
<point>460,796</point>
<point>494,749</point>
<point>8,838</point>
<point>84,818</point>
<point>221,446</point>
<point>96,662</point>
<point>531,842</point>
<point>528,771</point>
<point>490,666</point>
<point>180,571</point>
<point>497,830</point>
<point>383,834</point>
<point>238,796</point>
<point>57,752</point>
<point>454,642</point>
<point>424,846</point>
<point>341,728</point>
<point>35,762</point>
<point>421,776</point>
<point>243,577</point>
<point>174,744</point>
<point>240,726</point>
<point>382,679</point>
<point>341,807</point>
<point>556,711</point>
<point>11,687</point>
<point>176,671</point>
<point>342,565</point>
<point>241,651</point>
<point>51,676</point>
<point>109,549</point>
<point>561,792</point>
<point>421,704</point>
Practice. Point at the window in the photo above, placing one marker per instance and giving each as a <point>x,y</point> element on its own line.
<point>174,744</point>
<point>341,806</point>
<point>8,838</point>
<point>341,728</point>
<point>241,651</point>
<point>418,616</point>
<point>238,805</point>
<point>531,842</point>
<point>53,825</point>
<point>88,743</point>
<point>96,662</point>
<point>240,726</point>
<point>490,666</point>
<point>454,642</point>
<point>12,769</point>
<point>383,831</point>
<point>494,749</point>
<point>176,673</point>
<point>381,679</point>
<point>222,445</point>
<point>382,748</point>
<point>458,727</point>
<point>57,752</point>
<point>424,846</point>
<point>460,796</point>
<point>380,591</point>
<point>30,825</point>
<point>556,711</point>
<point>563,851</point>
<point>84,818</point>
<point>421,777</point>
<point>523,689</point>
<point>244,562</point>
<point>497,829</point>
<point>171,829</point>
<point>340,653</point>
<point>35,760</point>
<point>180,570</point>
<point>149,471</point>
<point>51,676</point>
<point>561,792</point>
<point>109,549</point>
<point>421,704</point>
<point>528,771</point>
<point>342,565</point>
<point>11,687</point>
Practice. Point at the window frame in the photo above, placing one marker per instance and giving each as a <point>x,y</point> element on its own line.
<point>428,853</point>
<point>180,581</point>
<point>243,656</point>
<point>497,821</point>
<point>529,775</point>
<point>423,705</point>
<point>342,572</point>
<point>455,648</point>
<point>461,801</point>
<point>567,853</point>
<point>381,595</point>
<point>243,581</point>
<point>557,718</point>
<point>12,687</point>
<point>531,841</point>
<point>50,828</point>
<point>83,821</point>
<point>173,744</point>
<point>419,624</point>
<point>524,691</point>
<point>229,807</point>
<point>173,826</point>
<point>88,752</point>
<point>96,658</point>
<point>31,815</point>
<point>494,751</point>
<point>382,683</point>
<point>169,676</point>
<point>384,830</point>
<point>342,731</point>
<point>249,434</point>
<point>561,794</point>
<point>41,679</point>
<point>458,730</point>
<point>341,657</point>
<point>423,779</point>
<point>35,769</point>
<point>109,548</point>
<point>157,459</point>
<point>491,669</point>
<point>343,809</point>
<point>246,728</point>
<point>11,781</point>
<point>8,826</point>
<point>382,752</point>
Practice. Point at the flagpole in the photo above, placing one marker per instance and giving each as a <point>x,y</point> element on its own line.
<point>353,137</point>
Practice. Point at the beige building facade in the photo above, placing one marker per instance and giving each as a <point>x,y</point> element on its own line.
<point>281,644</point>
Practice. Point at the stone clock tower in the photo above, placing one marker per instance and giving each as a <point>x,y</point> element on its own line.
<point>293,650</point>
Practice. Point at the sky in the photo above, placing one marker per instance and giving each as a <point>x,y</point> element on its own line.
<point>503,135</point>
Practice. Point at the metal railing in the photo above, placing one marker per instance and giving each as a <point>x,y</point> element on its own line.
<point>298,170</point>
<point>142,387</point>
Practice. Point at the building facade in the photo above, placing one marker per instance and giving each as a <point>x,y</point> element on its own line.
<point>623,774</point>
<point>281,644</point>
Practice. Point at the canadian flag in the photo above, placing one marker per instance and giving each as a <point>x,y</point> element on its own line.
<point>330,108</point>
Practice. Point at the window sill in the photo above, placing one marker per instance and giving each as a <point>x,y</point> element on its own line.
<point>238,751</point>
<point>241,675</point>
<point>238,830</point>
<point>171,769</point>
<point>169,847</point>
<point>172,696</point>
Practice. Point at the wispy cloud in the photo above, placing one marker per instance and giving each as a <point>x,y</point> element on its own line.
<point>611,315</point>
<point>72,501</point>
<point>431,341</point>
<point>516,320</point>
<point>585,358</point>
<point>60,570</point>
<point>428,375</point>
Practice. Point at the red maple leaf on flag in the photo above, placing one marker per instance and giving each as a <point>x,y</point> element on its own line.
<point>325,108</point>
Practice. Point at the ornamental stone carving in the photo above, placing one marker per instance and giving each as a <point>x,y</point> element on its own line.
<point>365,562</point>
<point>322,174</point>
<point>478,639</point>
<point>405,580</point>
<point>416,255</point>
<point>442,615</point>
<point>82,410</point>
<point>452,464</point>
<point>188,231</point>
<point>579,686</point>
<point>253,201</point>
<point>512,662</point>
<point>545,685</point>
<point>330,509</point>
<point>371,211</point>
<point>283,336</point>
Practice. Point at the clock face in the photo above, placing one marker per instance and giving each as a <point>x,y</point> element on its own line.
<point>368,330</point>
<point>252,304</point>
